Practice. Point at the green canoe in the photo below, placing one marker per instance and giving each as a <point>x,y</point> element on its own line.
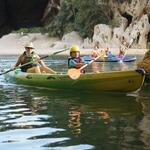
<point>120,81</point>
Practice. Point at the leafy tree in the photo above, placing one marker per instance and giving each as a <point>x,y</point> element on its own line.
<point>90,13</point>
<point>81,16</point>
<point>63,22</point>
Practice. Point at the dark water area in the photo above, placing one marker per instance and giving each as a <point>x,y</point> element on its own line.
<point>47,119</point>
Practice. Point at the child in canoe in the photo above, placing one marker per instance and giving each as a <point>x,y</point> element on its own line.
<point>75,63</point>
<point>75,60</point>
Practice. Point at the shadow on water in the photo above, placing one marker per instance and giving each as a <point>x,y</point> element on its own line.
<point>63,120</point>
<point>144,125</point>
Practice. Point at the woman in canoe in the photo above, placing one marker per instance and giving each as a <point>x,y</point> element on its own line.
<point>75,60</point>
<point>95,49</point>
<point>36,65</point>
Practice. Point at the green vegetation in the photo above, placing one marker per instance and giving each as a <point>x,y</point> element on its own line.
<point>31,30</point>
<point>78,15</point>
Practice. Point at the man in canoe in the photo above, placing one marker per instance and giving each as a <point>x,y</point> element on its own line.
<point>75,60</point>
<point>108,53</point>
<point>121,53</point>
<point>35,65</point>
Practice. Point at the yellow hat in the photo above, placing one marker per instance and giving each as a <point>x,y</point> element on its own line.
<point>74,48</point>
<point>30,45</point>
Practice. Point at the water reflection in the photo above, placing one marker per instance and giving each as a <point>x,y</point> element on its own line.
<point>144,125</point>
<point>102,114</point>
<point>67,118</point>
<point>21,125</point>
<point>74,119</point>
<point>42,119</point>
<point>121,66</point>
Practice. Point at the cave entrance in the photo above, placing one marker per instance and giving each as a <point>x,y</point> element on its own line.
<point>128,17</point>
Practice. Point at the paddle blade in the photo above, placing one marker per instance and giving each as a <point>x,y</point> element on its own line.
<point>6,71</point>
<point>74,73</point>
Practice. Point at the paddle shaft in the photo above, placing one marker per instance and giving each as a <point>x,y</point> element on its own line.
<point>31,61</point>
<point>130,43</point>
<point>90,62</point>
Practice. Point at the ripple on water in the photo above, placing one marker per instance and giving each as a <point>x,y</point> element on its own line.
<point>26,139</point>
<point>41,119</point>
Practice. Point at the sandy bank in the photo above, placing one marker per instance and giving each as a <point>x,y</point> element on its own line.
<point>13,44</point>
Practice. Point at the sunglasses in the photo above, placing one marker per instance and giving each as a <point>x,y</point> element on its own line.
<point>29,48</point>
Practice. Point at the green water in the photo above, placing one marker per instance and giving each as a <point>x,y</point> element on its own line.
<point>47,119</point>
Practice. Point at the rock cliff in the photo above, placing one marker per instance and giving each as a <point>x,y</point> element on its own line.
<point>145,63</point>
<point>15,14</point>
<point>133,22</point>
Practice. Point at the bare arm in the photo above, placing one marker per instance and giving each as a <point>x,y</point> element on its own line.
<point>19,61</point>
<point>41,62</point>
<point>44,67</point>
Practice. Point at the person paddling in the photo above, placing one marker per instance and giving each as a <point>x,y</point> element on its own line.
<point>36,65</point>
<point>121,53</point>
<point>96,67</point>
<point>108,53</point>
<point>95,49</point>
<point>75,60</point>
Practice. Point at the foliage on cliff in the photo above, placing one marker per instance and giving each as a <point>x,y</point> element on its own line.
<point>81,16</point>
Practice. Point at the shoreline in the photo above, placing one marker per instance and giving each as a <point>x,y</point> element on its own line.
<point>13,44</point>
<point>82,51</point>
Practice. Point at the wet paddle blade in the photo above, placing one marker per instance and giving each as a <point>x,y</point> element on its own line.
<point>2,73</point>
<point>74,73</point>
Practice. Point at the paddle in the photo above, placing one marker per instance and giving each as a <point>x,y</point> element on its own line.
<point>129,45</point>
<point>32,61</point>
<point>75,73</point>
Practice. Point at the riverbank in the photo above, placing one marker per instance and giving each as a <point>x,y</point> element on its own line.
<point>13,44</point>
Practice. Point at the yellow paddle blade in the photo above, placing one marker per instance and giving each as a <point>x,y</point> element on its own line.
<point>74,73</point>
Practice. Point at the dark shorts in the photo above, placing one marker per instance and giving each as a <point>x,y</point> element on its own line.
<point>25,68</point>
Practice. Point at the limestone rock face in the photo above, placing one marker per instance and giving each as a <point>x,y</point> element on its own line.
<point>145,63</point>
<point>102,34</point>
<point>68,40</point>
<point>72,38</point>
<point>87,43</point>
<point>15,14</point>
<point>134,23</point>
<point>117,34</point>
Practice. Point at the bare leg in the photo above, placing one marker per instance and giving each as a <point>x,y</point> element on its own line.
<point>34,70</point>
<point>47,70</point>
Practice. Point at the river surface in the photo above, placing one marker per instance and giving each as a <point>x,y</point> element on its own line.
<point>35,118</point>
